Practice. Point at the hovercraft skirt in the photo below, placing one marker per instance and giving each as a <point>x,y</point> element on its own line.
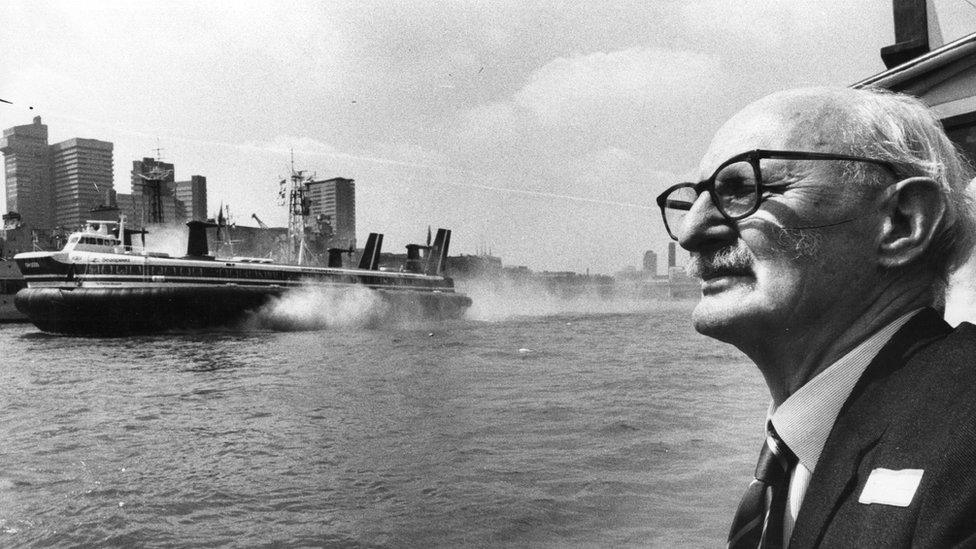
<point>127,310</point>
<point>117,311</point>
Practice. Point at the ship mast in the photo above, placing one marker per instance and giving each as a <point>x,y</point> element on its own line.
<point>154,181</point>
<point>294,190</point>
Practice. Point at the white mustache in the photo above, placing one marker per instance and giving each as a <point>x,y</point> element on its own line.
<point>729,260</point>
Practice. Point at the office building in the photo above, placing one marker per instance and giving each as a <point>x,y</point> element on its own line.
<point>57,187</point>
<point>132,207</point>
<point>191,198</point>
<point>333,201</point>
<point>53,186</point>
<point>27,166</point>
<point>152,191</point>
<point>650,262</point>
<point>82,173</point>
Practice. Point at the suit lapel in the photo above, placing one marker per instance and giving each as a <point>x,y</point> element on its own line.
<point>859,426</point>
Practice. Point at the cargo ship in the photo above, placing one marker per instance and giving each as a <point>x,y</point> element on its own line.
<point>98,284</point>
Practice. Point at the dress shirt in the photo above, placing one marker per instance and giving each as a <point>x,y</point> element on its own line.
<point>805,418</point>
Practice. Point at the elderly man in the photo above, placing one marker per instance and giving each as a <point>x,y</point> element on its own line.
<point>823,230</point>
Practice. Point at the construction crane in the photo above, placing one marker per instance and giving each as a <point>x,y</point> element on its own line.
<point>258,219</point>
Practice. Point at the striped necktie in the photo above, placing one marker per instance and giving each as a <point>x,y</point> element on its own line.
<point>759,520</point>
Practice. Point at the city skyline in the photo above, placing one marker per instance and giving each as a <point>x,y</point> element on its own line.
<point>540,131</point>
<point>59,186</point>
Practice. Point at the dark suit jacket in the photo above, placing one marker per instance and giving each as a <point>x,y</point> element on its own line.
<point>914,408</point>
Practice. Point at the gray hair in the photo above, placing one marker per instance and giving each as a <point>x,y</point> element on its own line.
<point>902,130</point>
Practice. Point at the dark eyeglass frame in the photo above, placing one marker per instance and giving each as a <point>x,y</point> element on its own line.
<point>753,157</point>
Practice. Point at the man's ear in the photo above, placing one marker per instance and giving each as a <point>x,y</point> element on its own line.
<point>913,213</point>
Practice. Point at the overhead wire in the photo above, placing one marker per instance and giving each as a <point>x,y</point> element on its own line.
<point>371,158</point>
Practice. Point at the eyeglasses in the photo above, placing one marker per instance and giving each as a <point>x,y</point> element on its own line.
<point>736,188</point>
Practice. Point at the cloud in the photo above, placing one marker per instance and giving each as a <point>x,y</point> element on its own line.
<point>491,122</point>
<point>763,24</point>
<point>525,124</point>
<point>285,144</point>
<point>407,153</point>
<point>786,43</point>
<point>587,142</point>
<point>600,132</point>
<point>637,100</point>
<point>381,153</point>
<point>212,69</point>
<point>600,84</point>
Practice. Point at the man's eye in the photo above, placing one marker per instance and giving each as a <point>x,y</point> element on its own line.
<point>736,186</point>
<point>778,187</point>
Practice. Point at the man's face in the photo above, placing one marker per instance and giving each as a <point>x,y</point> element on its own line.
<point>771,275</point>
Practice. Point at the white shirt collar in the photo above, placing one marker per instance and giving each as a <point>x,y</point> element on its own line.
<point>805,418</point>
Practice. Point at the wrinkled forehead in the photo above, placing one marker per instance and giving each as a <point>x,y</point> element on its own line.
<point>781,122</point>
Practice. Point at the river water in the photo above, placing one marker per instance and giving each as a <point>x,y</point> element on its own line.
<point>530,423</point>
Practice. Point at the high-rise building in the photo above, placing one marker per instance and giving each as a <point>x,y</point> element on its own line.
<point>58,186</point>
<point>27,166</point>
<point>107,208</point>
<point>334,200</point>
<point>54,185</point>
<point>132,207</point>
<point>82,173</point>
<point>191,198</point>
<point>152,191</point>
<point>650,262</point>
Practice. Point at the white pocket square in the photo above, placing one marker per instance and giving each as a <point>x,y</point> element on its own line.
<point>890,487</point>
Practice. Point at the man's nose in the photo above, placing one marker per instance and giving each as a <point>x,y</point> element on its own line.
<point>702,224</point>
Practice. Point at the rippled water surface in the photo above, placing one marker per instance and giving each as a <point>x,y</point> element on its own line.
<point>568,429</point>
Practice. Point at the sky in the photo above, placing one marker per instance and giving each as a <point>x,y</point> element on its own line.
<point>539,131</point>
